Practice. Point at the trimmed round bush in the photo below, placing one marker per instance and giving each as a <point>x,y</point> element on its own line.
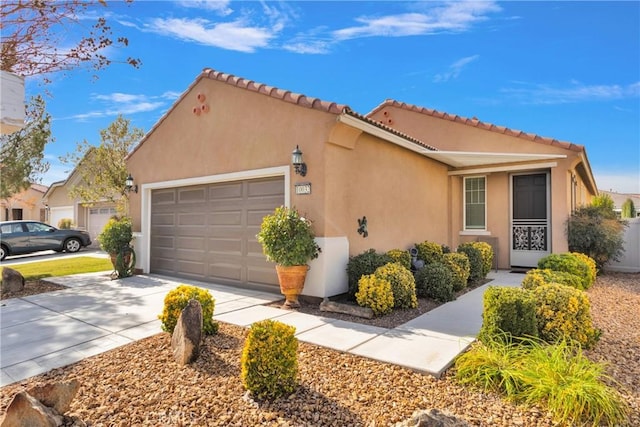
<point>403,257</point>
<point>177,299</point>
<point>475,260</point>
<point>361,265</point>
<point>402,282</point>
<point>269,362</point>
<point>458,263</point>
<point>429,252</point>
<point>510,311</point>
<point>435,281</point>
<point>537,277</point>
<point>564,313</point>
<point>376,294</point>
<point>486,251</point>
<point>568,263</point>
<point>593,268</point>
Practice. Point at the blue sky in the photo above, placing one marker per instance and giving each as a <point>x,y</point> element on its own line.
<point>567,70</point>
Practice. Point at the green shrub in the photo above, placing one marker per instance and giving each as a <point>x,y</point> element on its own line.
<point>596,232</point>
<point>458,263</point>
<point>564,313</point>
<point>402,282</point>
<point>560,377</point>
<point>429,252</point>
<point>65,223</point>
<point>537,277</point>
<point>376,294</point>
<point>116,235</point>
<point>510,311</point>
<point>269,362</point>
<point>403,257</point>
<point>593,268</point>
<point>475,260</point>
<point>628,209</point>
<point>177,299</point>
<point>569,263</point>
<point>361,265</point>
<point>486,251</point>
<point>572,387</point>
<point>435,281</point>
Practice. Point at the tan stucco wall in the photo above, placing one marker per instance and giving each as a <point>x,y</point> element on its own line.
<point>29,200</point>
<point>59,196</point>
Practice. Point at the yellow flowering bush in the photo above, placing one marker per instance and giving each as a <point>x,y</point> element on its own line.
<point>593,269</point>
<point>402,282</point>
<point>177,299</point>
<point>403,257</point>
<point>429,251</point>
<point>537,277</point>
<point>487,256</point>
<point>569,263</point>
<point>376,294</point>
<point>564,312</point>
<point>269,362</point>
<point>458,263</point>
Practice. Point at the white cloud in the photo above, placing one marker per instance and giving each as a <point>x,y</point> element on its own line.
<point>124,103</point>
<point>237,35</point>
<point>576,92</point>
<point>219,6</point>
<point>452,17</point>
<point>455,69</point>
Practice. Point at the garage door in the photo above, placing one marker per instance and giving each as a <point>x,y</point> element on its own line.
<point>98,218</point>
<point>207,232</point>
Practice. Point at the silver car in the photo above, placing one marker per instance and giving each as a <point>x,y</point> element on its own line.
<point>23,237</point>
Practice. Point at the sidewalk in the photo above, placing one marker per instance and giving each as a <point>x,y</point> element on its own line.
<point>42,332</point>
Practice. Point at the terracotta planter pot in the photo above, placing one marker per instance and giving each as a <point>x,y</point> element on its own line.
<point>291,280</point>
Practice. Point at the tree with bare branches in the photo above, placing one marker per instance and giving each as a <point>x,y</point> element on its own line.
<point>41,36</point>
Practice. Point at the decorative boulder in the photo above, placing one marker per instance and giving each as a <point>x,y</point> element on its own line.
<point>26,410</point>
<point>432,418</point>
<point>57,396</point>
<point>12,280</point>
<point>185,341</point>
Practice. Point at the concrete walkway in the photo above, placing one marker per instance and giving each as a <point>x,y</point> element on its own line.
<point>47,331</point>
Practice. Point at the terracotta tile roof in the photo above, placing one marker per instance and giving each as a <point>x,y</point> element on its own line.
<point>284,95</point>
<point>389,129</point>
<point>478,124</point>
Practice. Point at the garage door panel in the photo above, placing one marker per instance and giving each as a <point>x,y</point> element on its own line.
<point>209,231</point>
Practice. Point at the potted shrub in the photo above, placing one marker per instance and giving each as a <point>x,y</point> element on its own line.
<point>288,240</point>
<point>115,239</point>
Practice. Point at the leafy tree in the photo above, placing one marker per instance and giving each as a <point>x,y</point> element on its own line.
<point>596,231</point>
<point>102,168</point>
<point>628,209</point>
<point>40,37</point>
<point>22,152</point>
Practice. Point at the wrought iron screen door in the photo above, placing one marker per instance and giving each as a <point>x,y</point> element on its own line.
<point>529,219</point>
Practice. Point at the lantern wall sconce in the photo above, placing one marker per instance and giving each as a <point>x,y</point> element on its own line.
<point>129,185</point>
<point>296,160</point>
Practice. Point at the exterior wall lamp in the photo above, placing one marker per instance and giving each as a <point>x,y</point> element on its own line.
<point>129,185</point>
<point>296,160</point>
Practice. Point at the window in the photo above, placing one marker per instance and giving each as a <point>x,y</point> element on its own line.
<point>475,203</point>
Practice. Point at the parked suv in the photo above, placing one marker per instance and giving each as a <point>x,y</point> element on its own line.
<point>23,237</point>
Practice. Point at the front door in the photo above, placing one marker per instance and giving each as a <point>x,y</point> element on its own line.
<point>529,219</point>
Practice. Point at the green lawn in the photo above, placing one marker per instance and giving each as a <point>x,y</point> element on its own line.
<point>63,267</point>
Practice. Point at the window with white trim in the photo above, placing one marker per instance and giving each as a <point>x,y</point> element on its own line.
<point>475,203</point>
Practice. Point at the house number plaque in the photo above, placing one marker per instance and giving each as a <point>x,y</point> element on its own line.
<point>303,188</point>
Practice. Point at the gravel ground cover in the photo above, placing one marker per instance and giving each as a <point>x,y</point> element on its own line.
<point>139,384</point>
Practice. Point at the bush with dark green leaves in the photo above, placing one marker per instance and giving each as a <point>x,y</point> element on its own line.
<point>476,262</point>
<point>398,255</point>
<point>362,265</point>
<point>510,311</point>
<point>569,263</point>
<point>403,285</point>
<point>435,281</point>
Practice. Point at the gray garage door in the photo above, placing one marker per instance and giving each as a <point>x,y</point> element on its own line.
<point>207,232</point>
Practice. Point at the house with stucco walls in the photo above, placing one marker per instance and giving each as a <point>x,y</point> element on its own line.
<point>27,204</point>
<point>221,159</point>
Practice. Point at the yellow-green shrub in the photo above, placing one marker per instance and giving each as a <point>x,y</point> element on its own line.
<point>593,268</point>
<point>458,263</point>
<point>569,263</point>
<point>537,277</point>
<point>177,299</point>
<point>429,251</point>
<point>476,263</point>
<point>510,311</point>
<point>402,282</point>
<point>564,312</point>
<point>269,362</point>
<point>486,251</point>
<point>403,257</point>
<point>376,294</point>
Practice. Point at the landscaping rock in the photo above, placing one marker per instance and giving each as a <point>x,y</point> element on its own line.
<point>12,280</point>
<point>432,418</point>
<point>56,395</point>
<point>25,410</point>
<point>353,310</point>
<point>187,334</point>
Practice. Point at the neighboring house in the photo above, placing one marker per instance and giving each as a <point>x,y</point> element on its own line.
<point>60,205</point>
<point>25,205</point>
<point>220,159</point>
<point>620,198</point>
